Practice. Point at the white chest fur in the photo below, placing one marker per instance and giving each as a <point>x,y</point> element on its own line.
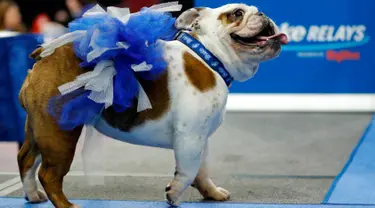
<point>191,111</point>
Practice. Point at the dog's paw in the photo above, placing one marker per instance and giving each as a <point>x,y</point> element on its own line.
<point>36,197</point>
<point>225,192</point>
<point>75,206</point>
<point>218,194</point>
<point>171,197</point>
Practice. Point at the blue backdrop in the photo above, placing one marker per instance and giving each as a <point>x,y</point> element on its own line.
<point>14,64</point>
<point>330,50</point>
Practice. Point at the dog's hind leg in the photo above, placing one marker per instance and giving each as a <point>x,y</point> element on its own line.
<point>28,162</point>
<point>57,149</point>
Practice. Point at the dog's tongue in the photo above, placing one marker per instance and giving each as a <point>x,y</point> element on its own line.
<point>281,37</point>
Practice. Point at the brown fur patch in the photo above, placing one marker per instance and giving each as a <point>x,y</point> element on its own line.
<point>227,19</point>
<point>47,75</point>
<point>157,91</point>
<point>224,19</point>
<point>199,75</point>
<point>43,135</point>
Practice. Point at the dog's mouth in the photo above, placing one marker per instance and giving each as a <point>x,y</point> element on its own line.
<point>262,39</point>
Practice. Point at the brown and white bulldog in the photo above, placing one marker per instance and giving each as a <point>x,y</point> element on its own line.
<point>188,102</point>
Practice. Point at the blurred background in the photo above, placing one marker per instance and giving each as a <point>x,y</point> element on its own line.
<point>24,25</point>
<point>288,133</point>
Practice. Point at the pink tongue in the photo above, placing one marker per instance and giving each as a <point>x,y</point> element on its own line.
<point>281,37</point>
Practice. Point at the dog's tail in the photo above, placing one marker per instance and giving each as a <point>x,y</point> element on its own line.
<point>22,94</point>
<point>36,53</point>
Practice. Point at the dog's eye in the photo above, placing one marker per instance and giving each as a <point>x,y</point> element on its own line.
<point>238,14</point>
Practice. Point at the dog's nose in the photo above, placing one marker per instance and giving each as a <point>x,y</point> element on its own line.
<point>261,14</point>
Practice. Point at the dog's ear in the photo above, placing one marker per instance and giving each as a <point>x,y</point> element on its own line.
<point>186,20</point>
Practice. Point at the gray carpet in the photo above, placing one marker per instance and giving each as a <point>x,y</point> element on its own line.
<point>5,178</point>
<point>258,157</point>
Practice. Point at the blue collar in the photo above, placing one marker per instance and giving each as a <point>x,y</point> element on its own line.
<point>206,55</point>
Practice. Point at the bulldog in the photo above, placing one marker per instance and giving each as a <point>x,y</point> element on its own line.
<point>188,101</point>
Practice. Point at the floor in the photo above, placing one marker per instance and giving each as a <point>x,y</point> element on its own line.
<point>258,157</point>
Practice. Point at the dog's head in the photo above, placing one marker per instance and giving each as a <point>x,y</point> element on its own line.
<point>240,35</point>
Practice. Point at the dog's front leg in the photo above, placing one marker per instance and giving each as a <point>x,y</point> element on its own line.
<point>204,183</point>
<point>188,148</point>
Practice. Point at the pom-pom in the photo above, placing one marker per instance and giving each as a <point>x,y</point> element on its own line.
<point>127,44</point>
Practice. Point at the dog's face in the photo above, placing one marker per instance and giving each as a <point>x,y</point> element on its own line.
<point>239,30</point>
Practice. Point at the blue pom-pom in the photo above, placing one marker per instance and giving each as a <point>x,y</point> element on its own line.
<point>141,32</point>
<point>125,86</point>
<point>73,109</point>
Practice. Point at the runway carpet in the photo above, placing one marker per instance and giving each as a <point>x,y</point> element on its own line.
<point>19,203</point>
<point>353,186</point>
<point>356,182</point>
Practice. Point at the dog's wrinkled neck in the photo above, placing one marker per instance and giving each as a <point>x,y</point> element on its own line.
<point>239,70</point>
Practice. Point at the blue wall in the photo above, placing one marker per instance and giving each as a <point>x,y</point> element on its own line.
<point>14,64</point>
<point>324,30</point>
